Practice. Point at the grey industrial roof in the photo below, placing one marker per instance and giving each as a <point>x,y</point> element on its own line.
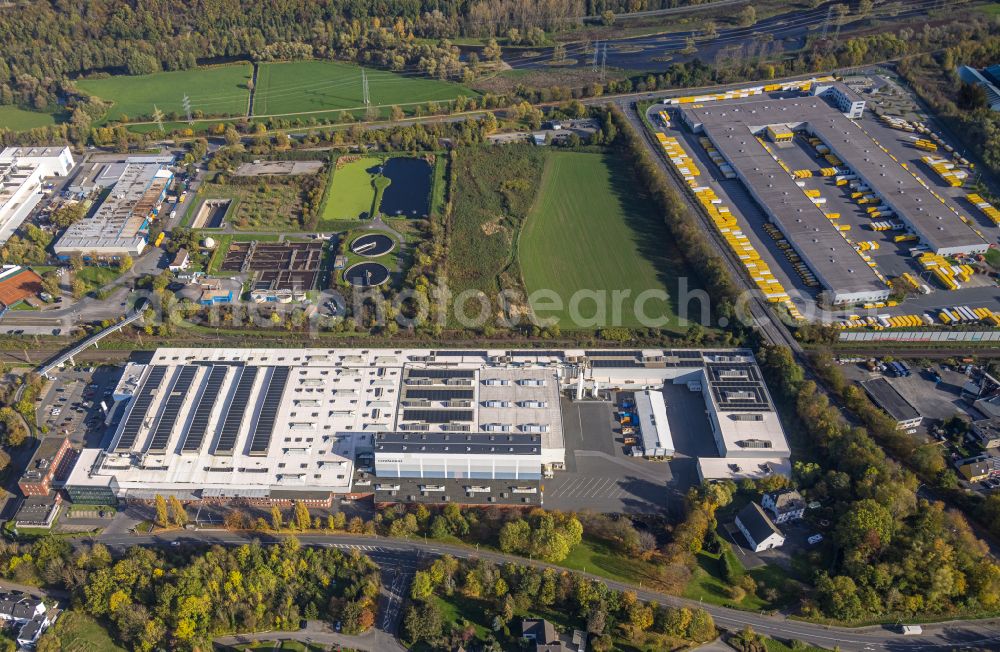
<point>42,458</point>
<point>890,400</point>
<point>114,224</point>
<point>440,442</point>
<point>725,121</point>
<point>825,250</point>
<point>756,522</point>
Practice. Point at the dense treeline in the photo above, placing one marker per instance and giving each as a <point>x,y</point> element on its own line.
<point>157,601</point>
<point>900,554</point>
<point>687,232</point>
<point>937,81</point>
<point>499,593</point>
<point>540,534</point>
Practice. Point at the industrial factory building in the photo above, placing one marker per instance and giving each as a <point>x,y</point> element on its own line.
<point>22,172</point>
<point>120,226</point>
<point>263,425</point>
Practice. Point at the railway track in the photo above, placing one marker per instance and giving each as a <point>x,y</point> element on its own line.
<point>773,331</point>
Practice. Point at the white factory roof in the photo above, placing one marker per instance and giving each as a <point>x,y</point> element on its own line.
<point>741,405</point>
<point>198,421</point>
<point>738,468</point>
<point>653,424</point>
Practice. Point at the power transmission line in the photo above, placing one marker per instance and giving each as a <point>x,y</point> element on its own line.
<point>186,103</point>
<point>604,60</point>
<point>365,97</point>
<point>158,118</point>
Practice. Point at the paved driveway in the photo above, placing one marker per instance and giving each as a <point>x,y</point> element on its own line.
<point>599,475</point>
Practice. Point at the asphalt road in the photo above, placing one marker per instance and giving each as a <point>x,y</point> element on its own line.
<point>950,635</point>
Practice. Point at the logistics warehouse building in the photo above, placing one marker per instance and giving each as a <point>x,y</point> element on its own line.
<point>265,425</point>
<point>120,226</point>
<point>734,125</point>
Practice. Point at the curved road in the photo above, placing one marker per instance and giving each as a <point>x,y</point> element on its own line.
<point>940,636</point>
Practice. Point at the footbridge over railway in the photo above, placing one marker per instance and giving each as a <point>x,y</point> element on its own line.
<point>68,354</point>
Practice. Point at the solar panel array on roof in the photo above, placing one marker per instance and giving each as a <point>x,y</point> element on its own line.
<point>440,394</point>
<point>437,416</point>
<point>737,386</point>
<point>460,354</point>
<point>172,407</point>
<point>441,373</point>
<point>269,411</point>
<point>687,354</point>
<point>612,354</point>
<point>615,363</point>
<point>140,405</point>
<point>195,434</point>
<point>234,414</point>
<point>536,354</point>
<point>694,364</point>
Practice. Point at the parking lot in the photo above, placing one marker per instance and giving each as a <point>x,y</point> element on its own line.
<point>933,400</point>
<point>70,405</point>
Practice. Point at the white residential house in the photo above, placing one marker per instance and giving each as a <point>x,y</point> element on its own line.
<point>26,614</point>
<point>181,261</point>
<point>758,529</point>
<point>31,630</point>
<point>784,505</point>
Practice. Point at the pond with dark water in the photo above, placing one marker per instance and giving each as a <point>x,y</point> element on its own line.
<point>409,193</point>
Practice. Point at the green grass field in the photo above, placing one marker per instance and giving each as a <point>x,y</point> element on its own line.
<point>97,277</point>
<point>299,86</point>
<point>78,632</point>
<point>17,119</point>
<point>597,557</point>
<point>219,90</point>
<point>589,230</point>
<point>350,190</point>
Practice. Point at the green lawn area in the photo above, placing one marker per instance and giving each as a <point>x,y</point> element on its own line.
<point>283,646</point>
<point>298,86</point>
<point>218,90</point>
<point>992,9</point>
<point>350,192</point>
<point>993,257</point>
<point>707,584</point>
<point>773,645</point>
<point>17,119</point>
<point>97,277</point>
<point>78,632</point>
<point>590,230</point>
<point>595,556</point>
